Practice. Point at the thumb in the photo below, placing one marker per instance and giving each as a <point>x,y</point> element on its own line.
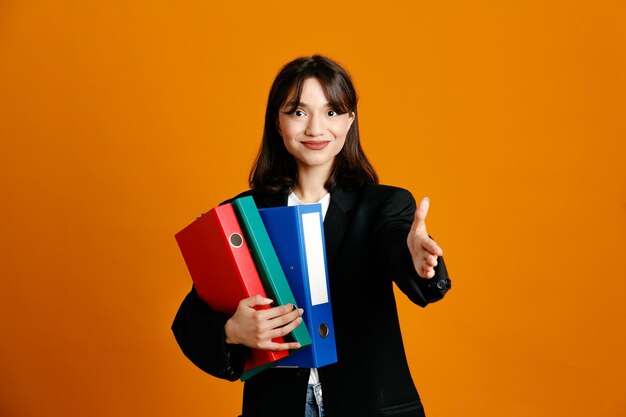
<point>421,212</point>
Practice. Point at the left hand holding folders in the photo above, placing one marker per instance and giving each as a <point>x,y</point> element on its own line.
<point>424,250</point>
<point>256,328</point>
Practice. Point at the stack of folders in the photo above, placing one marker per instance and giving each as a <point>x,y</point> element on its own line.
<point>232,253</point>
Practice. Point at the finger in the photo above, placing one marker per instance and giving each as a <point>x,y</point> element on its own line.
<point>431,260</point>
<point>274,312</point>
<point>282,346</point>
<point>427,273</point>
<point>285,318</point>
<point>285,330</point>
<point>255,300</point>
<point>432,247</point>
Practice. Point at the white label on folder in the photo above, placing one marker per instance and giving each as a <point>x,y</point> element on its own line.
<point>315,261</point>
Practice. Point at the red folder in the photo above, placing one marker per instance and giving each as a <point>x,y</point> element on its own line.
<point>222,268</point>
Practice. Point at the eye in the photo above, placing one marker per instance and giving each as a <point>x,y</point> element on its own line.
<point>332,113</point>
<point>298,113</point>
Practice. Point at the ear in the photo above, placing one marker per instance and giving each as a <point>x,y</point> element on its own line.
<point>351,118</point>
<point>278,126</point>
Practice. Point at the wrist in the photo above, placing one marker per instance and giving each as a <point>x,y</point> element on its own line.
<point>229,333</point>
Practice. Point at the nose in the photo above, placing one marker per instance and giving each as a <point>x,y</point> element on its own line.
<point>315,127</point>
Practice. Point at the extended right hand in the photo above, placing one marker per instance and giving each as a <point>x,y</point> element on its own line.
<point>423,248</point>
<point>256,328</point>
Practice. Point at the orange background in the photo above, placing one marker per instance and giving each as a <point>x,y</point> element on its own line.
<point>120,121</point>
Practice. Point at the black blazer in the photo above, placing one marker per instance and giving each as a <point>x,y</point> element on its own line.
<point>365,232</point>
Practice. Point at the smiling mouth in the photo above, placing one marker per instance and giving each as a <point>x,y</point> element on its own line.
<point>316,145</point>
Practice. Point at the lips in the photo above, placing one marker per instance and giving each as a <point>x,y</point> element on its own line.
<point>315,145</point>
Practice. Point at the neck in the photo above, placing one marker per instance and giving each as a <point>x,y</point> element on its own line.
<point>310,185</point>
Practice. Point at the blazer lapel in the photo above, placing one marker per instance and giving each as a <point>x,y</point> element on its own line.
<point>337,220</point>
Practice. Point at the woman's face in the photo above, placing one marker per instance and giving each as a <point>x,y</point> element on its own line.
<point>313,132</point>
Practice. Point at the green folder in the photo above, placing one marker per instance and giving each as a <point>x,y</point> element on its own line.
<point>269,268</point>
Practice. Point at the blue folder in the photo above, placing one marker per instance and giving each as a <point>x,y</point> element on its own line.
<point>297,234</point>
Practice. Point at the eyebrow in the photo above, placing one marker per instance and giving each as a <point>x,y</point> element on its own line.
<point>301,104</point>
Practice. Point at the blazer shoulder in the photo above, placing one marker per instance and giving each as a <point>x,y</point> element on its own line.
<point>260,199</point>
<point>387,192</point>
<point>241,194</point>
<point>384,189</point>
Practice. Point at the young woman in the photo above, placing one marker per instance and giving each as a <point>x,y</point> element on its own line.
<point>374,235</point>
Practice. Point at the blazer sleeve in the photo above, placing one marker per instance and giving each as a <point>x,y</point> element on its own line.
<point>395,220</point>
<point>199,331</point>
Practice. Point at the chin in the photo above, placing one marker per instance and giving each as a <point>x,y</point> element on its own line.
<point>314,162</point>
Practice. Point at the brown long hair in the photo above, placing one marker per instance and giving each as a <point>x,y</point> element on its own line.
<point>275,170</point>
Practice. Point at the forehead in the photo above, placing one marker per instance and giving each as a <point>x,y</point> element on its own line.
<point>309,91</point>
<point>335,92</point>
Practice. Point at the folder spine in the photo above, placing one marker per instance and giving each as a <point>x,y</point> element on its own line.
<point>301,250</point>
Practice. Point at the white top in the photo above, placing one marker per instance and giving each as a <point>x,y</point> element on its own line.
<point>292,200</point>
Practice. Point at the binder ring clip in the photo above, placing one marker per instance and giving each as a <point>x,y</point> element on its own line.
<point>235,240</point>
<point>323,330</point>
